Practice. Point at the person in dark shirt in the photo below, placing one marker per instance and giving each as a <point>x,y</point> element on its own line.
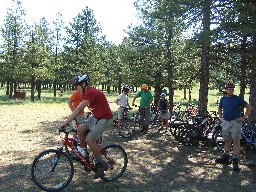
<point>229,113</point>
<point>164,111</point>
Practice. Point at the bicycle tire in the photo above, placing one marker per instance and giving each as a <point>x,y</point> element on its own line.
<point>52,170</point>
<point>218,139</point>
<point>189,136</point>
<point>117,168</point>
<point>136,122</point>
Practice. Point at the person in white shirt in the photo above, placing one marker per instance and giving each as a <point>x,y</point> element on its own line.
<point>122,101</point>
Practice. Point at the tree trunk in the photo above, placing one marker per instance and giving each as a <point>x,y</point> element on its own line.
<point>184,93</point>
<point>108,89</point>
<point>39,89</point>
<point>8,87</point>
<point>55,88</point>
<point>252,98</point>
<point>243,67</point>
<point>32,97</point>
<point>189,94</point>
<point>11,89</point>
<point>205,58</point>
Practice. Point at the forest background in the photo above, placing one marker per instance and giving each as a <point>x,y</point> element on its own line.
<point>177,45</point>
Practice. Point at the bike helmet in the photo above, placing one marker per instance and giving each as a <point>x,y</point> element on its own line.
<point>126,88</point>
<point>229,85</point>
<point>144,87</point>
<point>163,95</point>
<point>80,79</point>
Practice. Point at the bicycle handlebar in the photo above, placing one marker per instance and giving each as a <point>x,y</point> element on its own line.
<point>67,132</point>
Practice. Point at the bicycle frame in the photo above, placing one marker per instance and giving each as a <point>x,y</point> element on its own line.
<point>249,138</point>
<point>90,165</point>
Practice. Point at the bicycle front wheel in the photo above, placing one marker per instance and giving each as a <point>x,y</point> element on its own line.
<point>117,160</point>
<point>52,170</point>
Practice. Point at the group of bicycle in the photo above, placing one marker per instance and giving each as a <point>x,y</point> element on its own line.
<point>226,128</point>
<point>53,170</point>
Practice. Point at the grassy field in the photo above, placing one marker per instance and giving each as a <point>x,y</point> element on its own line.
<point>157,162</point>
<point>47,97</point>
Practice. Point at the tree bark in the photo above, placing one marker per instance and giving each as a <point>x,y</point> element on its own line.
<point>205,58</point>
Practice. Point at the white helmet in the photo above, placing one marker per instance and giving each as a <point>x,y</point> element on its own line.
<point>163,95</point>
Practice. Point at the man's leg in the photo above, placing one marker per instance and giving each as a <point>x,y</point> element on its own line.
<point>224,158</point>
<point>119,126</point>
<point>236,153</point>
<point>226,134</point>
<point>97,128</point>
<point>82,131</point>
<point>142,118</point>
<point>147,116</point>
<point>236,136</point>
<point>120,119</point>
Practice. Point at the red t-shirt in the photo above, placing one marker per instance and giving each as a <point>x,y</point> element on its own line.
<point>98,104</point>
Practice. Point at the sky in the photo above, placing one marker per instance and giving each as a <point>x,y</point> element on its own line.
<point>113,15</point>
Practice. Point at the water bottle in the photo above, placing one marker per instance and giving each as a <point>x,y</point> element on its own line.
<point>82,151</point>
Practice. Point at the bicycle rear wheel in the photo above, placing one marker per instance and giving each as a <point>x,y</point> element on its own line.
<point>52,170</point>
<point>117,160</point>
<point>218,139</point>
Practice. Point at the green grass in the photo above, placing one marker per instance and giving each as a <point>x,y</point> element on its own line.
<point>47,97</point>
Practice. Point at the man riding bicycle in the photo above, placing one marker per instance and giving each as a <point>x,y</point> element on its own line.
<point>95,126</point>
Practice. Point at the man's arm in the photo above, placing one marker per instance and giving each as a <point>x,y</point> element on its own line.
<point>74,114</point>
<point>134,100</point>
<point>220,113</point>
<point>70,105</point>
<point>247,111</point>
<point>117,101</point>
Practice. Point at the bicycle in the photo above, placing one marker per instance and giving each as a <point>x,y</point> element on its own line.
<point>248,137</point>
<point>126,128</point>
<point>53,169</point>
<point>136,119</point>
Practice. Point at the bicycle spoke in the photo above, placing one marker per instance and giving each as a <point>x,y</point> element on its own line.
<point>117,160</point>
<point>52,170</point>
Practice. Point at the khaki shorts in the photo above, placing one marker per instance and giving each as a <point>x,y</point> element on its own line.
<point>97,127</point>
<point>231,130</point>
<point>79,120</point>
<point>121,113</point>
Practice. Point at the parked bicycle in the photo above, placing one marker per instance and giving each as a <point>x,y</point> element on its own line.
<point>198,129</point>
<point>248,137</point>
<point>126,127</point>
<point>53,169</point>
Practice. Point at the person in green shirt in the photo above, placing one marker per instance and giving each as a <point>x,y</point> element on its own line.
<point>146,99</point>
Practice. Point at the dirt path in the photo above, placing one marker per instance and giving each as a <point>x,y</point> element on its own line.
<point>157,162</point>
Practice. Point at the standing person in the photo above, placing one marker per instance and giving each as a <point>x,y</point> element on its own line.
<point>74,101</point>
<point>164,108</point>
<point>95,126</point>
<point>145,100</point>
<point>122,101</point>
<point>229,113</point>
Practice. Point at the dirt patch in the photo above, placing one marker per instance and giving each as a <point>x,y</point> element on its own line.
<point>157,162</point>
